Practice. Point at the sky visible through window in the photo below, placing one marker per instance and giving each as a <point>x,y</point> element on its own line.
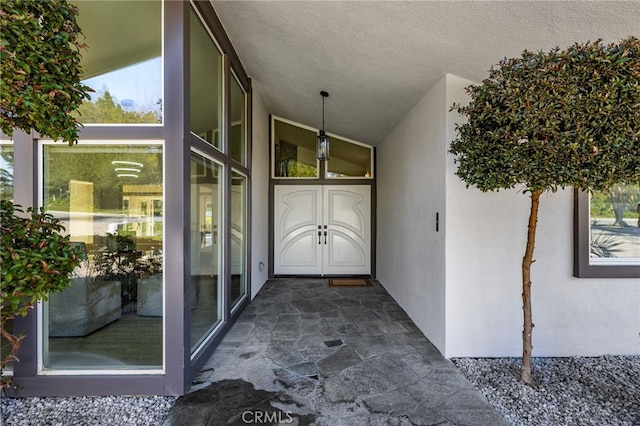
<point>137,87</point>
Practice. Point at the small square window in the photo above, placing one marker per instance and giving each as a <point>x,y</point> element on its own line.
<point>607,233</point>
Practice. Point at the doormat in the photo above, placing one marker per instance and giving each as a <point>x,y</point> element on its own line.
<point>349,282</point>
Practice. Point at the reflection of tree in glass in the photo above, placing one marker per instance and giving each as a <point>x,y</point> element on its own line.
<point>6,174</point>
<point>94,164</point>
<point>299,169</point>
<point>618,203</point>
<point>106,110</point>
<point>6,185</point>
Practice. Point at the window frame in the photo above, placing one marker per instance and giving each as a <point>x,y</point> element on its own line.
<point>42,311</point>
<point>321,166</point>
<point>582,268</point>
<point>350,141</point>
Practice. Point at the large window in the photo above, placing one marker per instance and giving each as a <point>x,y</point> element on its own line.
<point>109,197</point>
<point>123,61</point>
<point>206,266</point>
<point>206,84</point>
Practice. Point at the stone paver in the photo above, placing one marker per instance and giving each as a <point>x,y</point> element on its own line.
<point>307,354</point>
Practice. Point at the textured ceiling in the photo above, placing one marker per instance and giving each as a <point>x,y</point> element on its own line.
<point>378,59</point>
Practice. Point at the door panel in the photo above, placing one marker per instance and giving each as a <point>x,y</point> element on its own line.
<point>322,230</point>
<point>347,213</point>
<point>297,213</point>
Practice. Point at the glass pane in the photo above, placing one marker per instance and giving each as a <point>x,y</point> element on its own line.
<point>615,226</point>
<point>6,193</point>
<point>238,237</point>
<point>295,151</point>
<point>109,198</point>
<point>206,84</point>
<point>205,294</point>
<point>348,159</point>
<point>238,122</point>
<point>123,62</point>
<point>6,171</point>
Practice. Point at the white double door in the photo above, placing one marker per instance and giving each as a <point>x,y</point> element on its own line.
<point>322,230</point>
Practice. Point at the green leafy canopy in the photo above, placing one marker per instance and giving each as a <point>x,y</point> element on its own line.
<point>554,119</point>
<point>40,80</point>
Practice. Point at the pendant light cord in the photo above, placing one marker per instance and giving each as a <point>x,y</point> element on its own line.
<point>324,95</point>
<point>323,113</point>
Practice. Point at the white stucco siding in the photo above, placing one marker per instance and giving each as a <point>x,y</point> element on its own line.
<point>410,184</point>
<point>486,237</point>
<point>578,316</point>
<point>259,193</point>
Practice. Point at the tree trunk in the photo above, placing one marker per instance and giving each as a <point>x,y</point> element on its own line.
<point>619,203</point>
<point>15,342</point>
<point>527,260</point>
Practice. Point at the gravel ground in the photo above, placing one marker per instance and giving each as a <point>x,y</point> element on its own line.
<point>86,411</point>
<point>571,391</point>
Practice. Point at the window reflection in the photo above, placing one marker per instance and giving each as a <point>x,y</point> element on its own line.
<point>238,237</point>
<point>205,286</point>
<point>294,151</point>
<point>114,217</point>
<point>6,171</point>
<point>615,226</point>
<point>123,62</point>
<point>238,122</point>
<point>206,84</point>
<point>348,159</point>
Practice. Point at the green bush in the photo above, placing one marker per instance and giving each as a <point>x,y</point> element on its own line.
<point>35,260</point>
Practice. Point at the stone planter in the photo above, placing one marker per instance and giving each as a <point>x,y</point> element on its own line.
<point>84,307</point>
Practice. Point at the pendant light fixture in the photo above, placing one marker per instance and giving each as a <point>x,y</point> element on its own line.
<point>322,146</point>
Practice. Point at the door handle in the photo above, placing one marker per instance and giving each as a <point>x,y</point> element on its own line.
<point>325,237</point>
<point>319,234</point>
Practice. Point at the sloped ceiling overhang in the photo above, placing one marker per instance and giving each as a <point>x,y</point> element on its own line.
<point>377,59</point>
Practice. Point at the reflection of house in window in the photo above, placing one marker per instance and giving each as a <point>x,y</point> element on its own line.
<point>143,220</point>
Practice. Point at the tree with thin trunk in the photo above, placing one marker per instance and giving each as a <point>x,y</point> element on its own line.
<point>549,120</point>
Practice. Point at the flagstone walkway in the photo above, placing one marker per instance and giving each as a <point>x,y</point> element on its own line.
<point>305,353</point>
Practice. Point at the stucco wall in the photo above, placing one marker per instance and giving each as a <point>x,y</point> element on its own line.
<point>486,236</point>
<point>259,193</point>
<point>410,180</point>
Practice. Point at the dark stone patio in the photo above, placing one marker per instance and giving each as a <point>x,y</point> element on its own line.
<point>305,353</point>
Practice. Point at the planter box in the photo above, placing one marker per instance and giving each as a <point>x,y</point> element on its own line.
<point>150,296</point>
<point>84,307</point>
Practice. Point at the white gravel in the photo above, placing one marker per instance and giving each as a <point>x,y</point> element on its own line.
<point>86,411</point>
<point>571,391</point>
